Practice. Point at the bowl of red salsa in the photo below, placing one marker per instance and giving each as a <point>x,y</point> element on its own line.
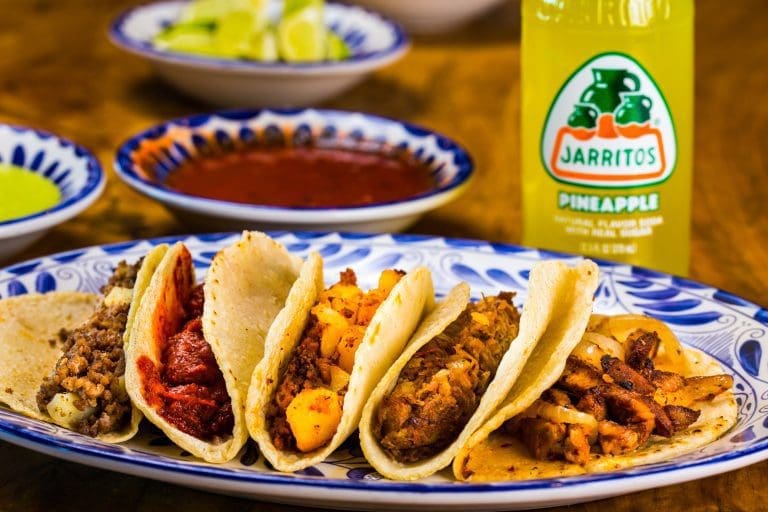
<point>295,169</point>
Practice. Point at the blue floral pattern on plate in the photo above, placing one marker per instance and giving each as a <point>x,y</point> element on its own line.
<point>727,327</point>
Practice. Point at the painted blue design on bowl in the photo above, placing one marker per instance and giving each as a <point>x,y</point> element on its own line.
<point>23,268</point>
<point>750,356</point>
<point>762,315</point>
<point>407,238</point>
<point>465,273</point>
<point>729,298</point>
<point>503,278</point>
<point>329,250</point>
<point>16,288</point>
<point>744,436</point>
<point>646,272</point>
<point>350,258</point>
<point>690,319</point>
<point>688,284</point>
<point>671,306</point>
<point>68,256</point>
<point>45,282</point>
<point>383,262</point>
<point>310,471</point>
<point>639,284</point>
<point>509,248</point>
<point>660,294</point>
<point>44,153</point>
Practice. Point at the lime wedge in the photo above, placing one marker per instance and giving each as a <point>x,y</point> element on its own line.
<point>209,11</point>
<point>301,32</point>
<point>260,11</point>
<point>233,33</point>
<point>293,6</point>
<point>187,38</point>
<point>263,46</point>
<point>337,47</point>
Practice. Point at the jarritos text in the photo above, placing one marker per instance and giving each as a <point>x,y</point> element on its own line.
<point>609,127</point>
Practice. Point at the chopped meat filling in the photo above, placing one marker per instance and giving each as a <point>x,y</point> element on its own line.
<point>614,409</point>
<point>441,386</point>
<point>92,365</point>
<point>306,409</point>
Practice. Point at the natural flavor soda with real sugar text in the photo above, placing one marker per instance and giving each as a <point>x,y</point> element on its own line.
<point>607,128</point>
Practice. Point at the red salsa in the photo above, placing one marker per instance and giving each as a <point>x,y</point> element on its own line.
<point>303,177</point>
<point>188,389</point>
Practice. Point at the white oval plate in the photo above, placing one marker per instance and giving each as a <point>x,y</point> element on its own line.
<point>725,326</point>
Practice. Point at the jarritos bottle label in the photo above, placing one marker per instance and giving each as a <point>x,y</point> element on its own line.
<point>609,127</point>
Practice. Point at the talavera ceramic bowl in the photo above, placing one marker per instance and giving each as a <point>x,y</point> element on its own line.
<point>373,40</point>
<point>144,161</point>
<point>72,168</point>
<point>431,16</point>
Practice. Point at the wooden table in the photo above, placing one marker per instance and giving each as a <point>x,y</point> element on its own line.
<point>59,72</point>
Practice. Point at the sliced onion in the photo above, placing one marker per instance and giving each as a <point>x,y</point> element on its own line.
<point>594,346</point>
<point>562,414</point>
<point>671,355</point>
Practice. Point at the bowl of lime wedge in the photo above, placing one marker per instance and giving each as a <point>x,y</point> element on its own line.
<point>257,53</point>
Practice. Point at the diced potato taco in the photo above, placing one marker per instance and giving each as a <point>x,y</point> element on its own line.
<point>64,353</point>
<point>194,347</point>
<point>325,353</point>
<point>627,394</point>
<point>461,364</point>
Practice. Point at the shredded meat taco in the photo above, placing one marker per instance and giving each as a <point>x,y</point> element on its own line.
<point>74,376</point>
<point>627,394</point>
<point>326,351</point>
<point>460,365</point>
<point>194,347</point>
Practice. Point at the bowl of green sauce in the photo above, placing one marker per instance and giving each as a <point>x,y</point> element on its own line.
<point>44,181</point>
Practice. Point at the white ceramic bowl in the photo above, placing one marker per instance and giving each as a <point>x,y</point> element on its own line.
<point>73,169</point>
<point>170,144</point>
<point>431,16</point>
<point>373,40</point>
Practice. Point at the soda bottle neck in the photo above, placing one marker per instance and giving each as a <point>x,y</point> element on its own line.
<point>606,14</point>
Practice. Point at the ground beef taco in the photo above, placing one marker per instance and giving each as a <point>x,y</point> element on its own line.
<point>64,353</point>
<point>627,394</point>
<point>460,365</point>
<point>325,353</point>
<point>193,348</point>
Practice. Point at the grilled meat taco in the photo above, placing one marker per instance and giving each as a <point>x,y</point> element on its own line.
<point>627,394</point>
<point>64,354</point>
<point>460,365</point>
<point>325,353</point>
<point>193,348</point>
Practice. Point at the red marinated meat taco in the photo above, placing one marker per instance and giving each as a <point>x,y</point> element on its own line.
<point>194,347</point>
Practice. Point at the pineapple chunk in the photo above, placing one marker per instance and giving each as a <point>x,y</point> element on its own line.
<point>388,279</point>
<point>347,347</point>
<point>313,416</point>
<point>333,324</point>
<point>339,378</point>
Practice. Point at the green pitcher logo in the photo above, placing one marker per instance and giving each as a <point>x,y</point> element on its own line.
<point>609,126</point>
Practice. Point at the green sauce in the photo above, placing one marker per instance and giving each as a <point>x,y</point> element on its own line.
<point>23,192</point>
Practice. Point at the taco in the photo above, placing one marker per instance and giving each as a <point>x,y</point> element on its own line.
<point>193,347</point>
<point>460,365</point>
<point>627,394</point>
<point>325,353</point>
<point>64,357</point>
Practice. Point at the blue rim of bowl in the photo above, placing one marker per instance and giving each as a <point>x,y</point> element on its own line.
<point>159,191</point>
<point>147,49</point>
<point>723,462</point>
<point>94,184</point>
